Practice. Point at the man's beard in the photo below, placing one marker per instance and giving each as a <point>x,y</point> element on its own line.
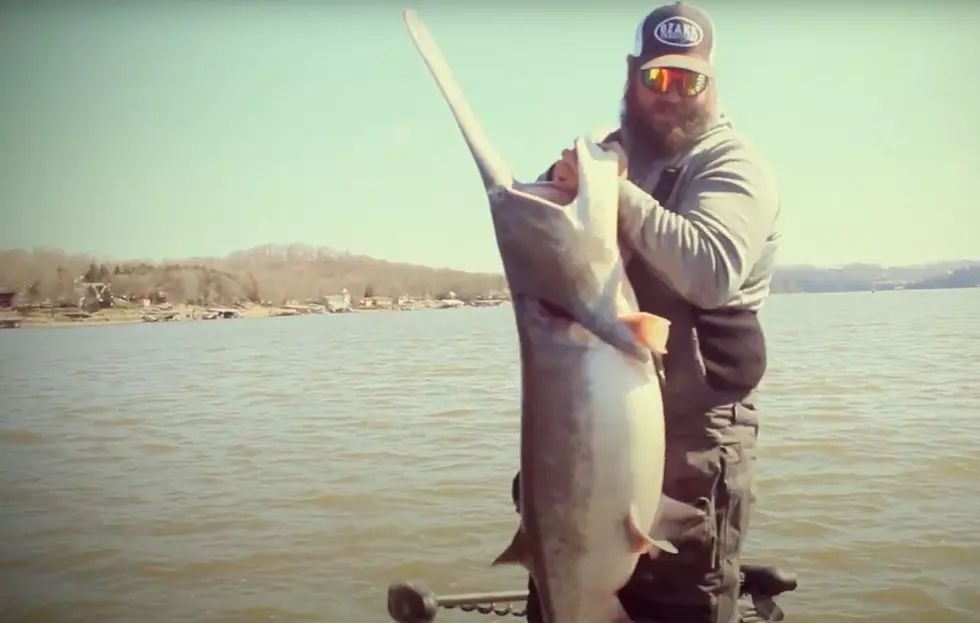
<point>640,134</point>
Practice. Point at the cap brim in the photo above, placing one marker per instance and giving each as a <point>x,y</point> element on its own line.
<point>681,61</point>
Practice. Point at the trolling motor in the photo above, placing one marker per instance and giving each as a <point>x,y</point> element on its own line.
<point>410,603</point>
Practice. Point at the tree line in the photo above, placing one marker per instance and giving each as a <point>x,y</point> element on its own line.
<point>278,273</point>
<point>270,274</point>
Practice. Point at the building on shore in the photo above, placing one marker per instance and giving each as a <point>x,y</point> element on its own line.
<point>338,302</point>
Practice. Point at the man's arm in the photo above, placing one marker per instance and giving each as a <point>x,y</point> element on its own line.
<point>707,248</point>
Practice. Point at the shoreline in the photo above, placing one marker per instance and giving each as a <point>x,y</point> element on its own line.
<point>37,317</point>
<point>71,317</point>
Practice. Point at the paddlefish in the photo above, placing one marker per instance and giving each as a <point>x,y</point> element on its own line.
<point>592,426</point>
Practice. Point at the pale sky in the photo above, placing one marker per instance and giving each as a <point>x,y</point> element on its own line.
<point>174,129</point>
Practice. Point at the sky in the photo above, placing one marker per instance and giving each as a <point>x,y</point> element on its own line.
<point>193,128</point>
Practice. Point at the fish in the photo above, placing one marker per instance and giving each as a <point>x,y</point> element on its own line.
<point>592,441</point>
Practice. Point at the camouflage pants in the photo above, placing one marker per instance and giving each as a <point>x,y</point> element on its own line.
<point>709,464</point>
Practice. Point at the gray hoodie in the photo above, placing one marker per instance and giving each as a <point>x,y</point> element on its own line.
<point>703,258</point>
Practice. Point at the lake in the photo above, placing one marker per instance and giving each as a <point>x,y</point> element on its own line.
<point>289,469</point>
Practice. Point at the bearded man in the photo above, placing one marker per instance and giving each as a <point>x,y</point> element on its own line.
<point>699,228</point>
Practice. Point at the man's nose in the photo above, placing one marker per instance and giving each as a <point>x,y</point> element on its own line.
<point>672,96</point>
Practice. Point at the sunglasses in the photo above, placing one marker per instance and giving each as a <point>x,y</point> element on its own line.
<point>662,79</point>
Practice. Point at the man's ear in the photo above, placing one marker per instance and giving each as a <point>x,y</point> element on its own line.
<point>631,63</point>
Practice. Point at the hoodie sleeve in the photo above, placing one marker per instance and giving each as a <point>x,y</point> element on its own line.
<point>706,249</point>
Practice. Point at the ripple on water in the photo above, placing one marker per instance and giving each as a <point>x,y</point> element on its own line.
<point>288,469</point>
<point>19,437</point>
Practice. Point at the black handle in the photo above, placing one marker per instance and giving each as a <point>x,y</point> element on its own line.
<point>409,603</point>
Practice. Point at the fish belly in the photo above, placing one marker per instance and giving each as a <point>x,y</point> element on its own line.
<point>590,472</point>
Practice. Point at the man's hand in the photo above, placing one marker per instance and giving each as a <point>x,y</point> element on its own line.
<point>565,175</point>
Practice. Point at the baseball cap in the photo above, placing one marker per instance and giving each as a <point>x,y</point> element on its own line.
<point>676,35</point>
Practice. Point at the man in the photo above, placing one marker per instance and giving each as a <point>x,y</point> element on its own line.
<point>698,223</point>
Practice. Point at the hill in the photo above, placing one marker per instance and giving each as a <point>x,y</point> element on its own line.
<point>864,277</point>
<point>270,273</point>
<point>277,273</point>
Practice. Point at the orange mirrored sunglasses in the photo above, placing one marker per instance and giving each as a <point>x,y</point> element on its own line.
<point>662,79</point>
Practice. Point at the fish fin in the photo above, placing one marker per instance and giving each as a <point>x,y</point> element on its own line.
<point>615,333</point>
<point>672,522</point>
<point>640,542</point>
<point>660,545</point>
<point>768,609</point>
<point>649,329</point>
<point>515,553</point>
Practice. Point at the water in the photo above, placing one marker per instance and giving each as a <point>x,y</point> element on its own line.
<point>288,469</point>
